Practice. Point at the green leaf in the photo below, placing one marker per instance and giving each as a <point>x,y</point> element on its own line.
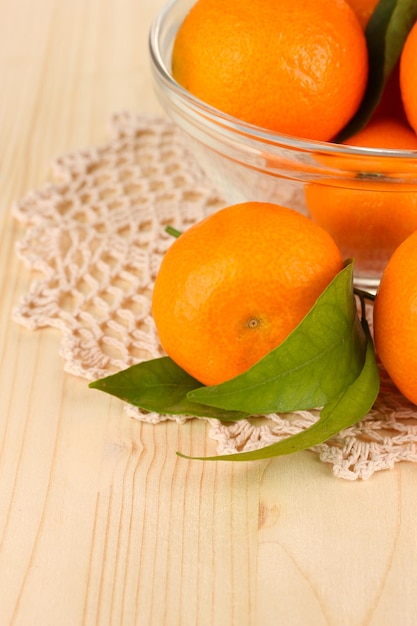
<point>159,385</point>
<point>348,409</point>
<point>359,397</point>
<point>385,34</point>
<point>311,368</point>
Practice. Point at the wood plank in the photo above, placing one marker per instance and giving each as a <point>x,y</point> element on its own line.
<point>101,524</point>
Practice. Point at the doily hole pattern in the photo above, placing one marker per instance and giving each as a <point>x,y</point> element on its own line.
<point>94,239</point>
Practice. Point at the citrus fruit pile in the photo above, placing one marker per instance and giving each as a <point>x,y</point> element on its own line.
<point>235,286</point>
<point>322,70</point>
<point>254,305</point>
<point>256,312</point>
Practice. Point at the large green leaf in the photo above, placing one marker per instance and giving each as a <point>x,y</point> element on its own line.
<point>311,368</point>
<point>159,385</point>
<point>348,409</point>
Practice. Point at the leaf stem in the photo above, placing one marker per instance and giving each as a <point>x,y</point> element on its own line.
<point>363,295</point>
<point>173,231</point>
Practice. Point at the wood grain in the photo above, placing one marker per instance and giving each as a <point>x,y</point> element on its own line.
<point>101,524</point>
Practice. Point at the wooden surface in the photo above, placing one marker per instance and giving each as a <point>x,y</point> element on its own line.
<point>100,523</point>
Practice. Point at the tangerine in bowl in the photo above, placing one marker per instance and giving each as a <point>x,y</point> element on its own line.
<point>359,190</point>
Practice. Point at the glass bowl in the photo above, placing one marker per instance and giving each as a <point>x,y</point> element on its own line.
<point>365,197</point>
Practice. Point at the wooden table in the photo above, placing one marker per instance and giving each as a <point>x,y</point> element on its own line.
<point>100,522</point>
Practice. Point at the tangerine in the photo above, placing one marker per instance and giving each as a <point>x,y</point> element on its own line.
<point>297,67</point>
<point>234,285</point>
<point>408,74</point>
<point>395,318</point>
<point>370,214</point>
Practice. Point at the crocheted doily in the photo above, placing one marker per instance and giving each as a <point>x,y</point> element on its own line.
<point>94,239</point>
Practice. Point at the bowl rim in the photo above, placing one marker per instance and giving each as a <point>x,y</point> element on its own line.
<point>235,126</point>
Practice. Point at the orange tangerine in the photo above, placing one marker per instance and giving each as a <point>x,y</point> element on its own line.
<point>371,214</point>
<point>298,67</point>
<point>395,318</point>
<point>233,286</point>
